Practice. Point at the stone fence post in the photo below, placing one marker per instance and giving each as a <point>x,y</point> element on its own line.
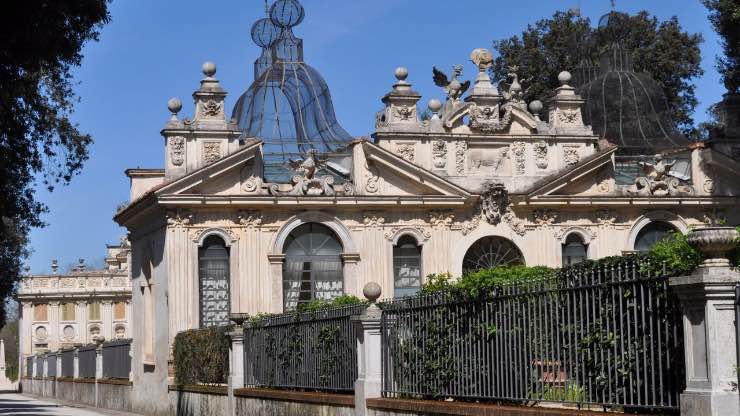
<point>707,302</point>
<point>236,365</point>
<point>76,364</point>
<point>369,381</point>
<point>98,372</point>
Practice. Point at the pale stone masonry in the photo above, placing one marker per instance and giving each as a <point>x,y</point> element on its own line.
<point>78,307</point>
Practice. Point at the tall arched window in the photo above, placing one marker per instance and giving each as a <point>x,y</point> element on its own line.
<point>490,252</point>
<point>651,234</point>
<point>574,250</point>
<point>213,260</point>
<point>406,267</point>
<point>313,265</point>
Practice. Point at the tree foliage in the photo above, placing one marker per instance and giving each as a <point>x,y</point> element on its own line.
<point>40,43</point>
<point>725,17</point>
<point>662,49</point>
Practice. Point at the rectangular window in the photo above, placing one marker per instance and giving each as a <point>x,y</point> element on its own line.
<point>40,312</point>
<point>68,311</point>
<point>119,311</point>
<point>93,311</point>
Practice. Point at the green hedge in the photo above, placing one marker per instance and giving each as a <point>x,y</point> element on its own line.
<point>202,356</point>
<point>672,256</point>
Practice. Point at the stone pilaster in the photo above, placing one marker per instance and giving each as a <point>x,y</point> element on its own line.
<point>708,304</point>
<point>236,365</point>
<point>369,381</point>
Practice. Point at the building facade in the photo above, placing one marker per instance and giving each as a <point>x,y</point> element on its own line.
<point>275,205</point>
<point>81,306</point>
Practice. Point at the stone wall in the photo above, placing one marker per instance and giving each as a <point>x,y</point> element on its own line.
<point>115,395</point>
<point>291,403</point>
<point>199,401</point>
<point>84,392</point>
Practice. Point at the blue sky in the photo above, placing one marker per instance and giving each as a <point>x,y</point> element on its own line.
<point>153,50</point>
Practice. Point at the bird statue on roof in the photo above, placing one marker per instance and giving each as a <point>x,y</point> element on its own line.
<point>452,87</point>
<point>513,92</point>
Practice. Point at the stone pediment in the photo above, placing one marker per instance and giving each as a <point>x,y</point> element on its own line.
<point>234,174</point>
<point>383,173</point>
<point>592,176</point>
<point>724,173</point>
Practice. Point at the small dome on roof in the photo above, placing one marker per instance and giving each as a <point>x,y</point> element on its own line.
<point>287,13</point>
<point>627,108</point>
<point>264,32</point>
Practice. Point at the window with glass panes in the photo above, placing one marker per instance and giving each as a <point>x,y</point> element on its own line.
<point>93,311</point>
<point>68,311</point>
<point>406,267</point>
<point>574,250</point>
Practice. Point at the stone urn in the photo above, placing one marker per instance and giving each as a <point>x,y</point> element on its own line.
<point>714,243</point>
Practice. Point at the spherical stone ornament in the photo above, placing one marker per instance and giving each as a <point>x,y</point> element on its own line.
<point>264,32</point>
<point>209,69</point>
<point>564,77</point>
<point>434,105</point>
<point>287,13</point>
<point>535,106</point>
<point>401,73</point>
<point>174,105</point>
<point>371,291</point>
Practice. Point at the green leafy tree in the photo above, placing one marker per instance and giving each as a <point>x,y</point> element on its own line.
<point>725,17</point>
<point>662,49</point>
<point>40,43</point>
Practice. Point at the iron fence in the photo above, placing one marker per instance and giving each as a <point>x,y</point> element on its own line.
<point>312,350</point>
<point>51,365</point>
<point>68,363</point>
<point>29,366</point>
<point>610,337</point>
<point>117,359</point>
<point>86,361</point>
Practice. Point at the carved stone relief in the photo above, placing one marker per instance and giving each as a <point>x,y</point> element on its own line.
<point>605,217</point>
<point>406,151</point>
<point>494,202</point>
<point>210,108</point>
<point>520,157</point>
<point>659,180</point>
<point>462,147</point>
<point>404,113</point>
<point>441,218</point>
<point>544,217</point>
<point>252,184</point>
<point>372,184</point>
<point>390,233</point>
<point>179,218</point>
<point>540,154</point>
<point>177,150</point>
<point>373,218</point>
<point>439,154</point>
<point>571,155</point>
<point>483,159</point>
<point>570,116</point>
<point>211,151</point>
<point>250,218</point>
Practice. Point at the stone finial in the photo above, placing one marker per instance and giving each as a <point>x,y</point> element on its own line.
<point>536,107</point>
<point>401,73</point>
<point>434,106</point>
<point>174,105</point>
<point>81,266</point>
<point>209,69</point>
<point>371,291</point>
<point>564,77</point>
<point>482,58</point>
<point>54,266</point>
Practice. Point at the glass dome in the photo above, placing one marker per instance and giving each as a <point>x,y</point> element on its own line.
<point>288,106</point>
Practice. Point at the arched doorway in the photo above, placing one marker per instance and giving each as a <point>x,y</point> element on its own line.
<point>652,233</point>
<point>491,251</point>
<point>213,264</point>
<point>313,265</point>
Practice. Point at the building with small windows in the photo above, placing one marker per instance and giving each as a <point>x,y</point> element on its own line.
<point>274,204</point>
<point>80,306</point>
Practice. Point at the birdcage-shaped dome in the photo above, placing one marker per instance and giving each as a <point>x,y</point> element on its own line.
<point>288,106</point>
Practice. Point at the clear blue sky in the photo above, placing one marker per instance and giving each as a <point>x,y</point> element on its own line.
<point>153,50</point>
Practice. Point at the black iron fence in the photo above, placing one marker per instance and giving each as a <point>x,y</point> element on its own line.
<point>312,350</point>
<point>117,359</point>
<point>610,336</point>
<point>39,367</point>
<point>86,361</point>
<point>68,363</point>
<point>29,366</point>
<point>51,365</point>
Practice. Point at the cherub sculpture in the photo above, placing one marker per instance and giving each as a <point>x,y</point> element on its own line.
<point>659,180</point>
<point>309,165</point>
<point>453,87</point>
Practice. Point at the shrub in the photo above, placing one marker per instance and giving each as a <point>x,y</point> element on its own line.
<point>202,356</point>
<point>673,255</point>
<point>321,304</point>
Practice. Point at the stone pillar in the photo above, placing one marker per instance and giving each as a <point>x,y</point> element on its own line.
<point>98,372</point>
<point>707,300</point>
<point>369,382</point>
<point>236,365</point>
<point>54,331</point>
<point>76,365</point>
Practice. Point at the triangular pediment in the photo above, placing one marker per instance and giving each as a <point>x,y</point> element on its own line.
<point>589,176</point>
<point>387,174</point>
<point>222,177</point>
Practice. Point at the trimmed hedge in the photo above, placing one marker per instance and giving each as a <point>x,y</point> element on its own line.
<point>202,356</point>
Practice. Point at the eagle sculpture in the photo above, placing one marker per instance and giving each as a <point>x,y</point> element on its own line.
<point>453,87</point>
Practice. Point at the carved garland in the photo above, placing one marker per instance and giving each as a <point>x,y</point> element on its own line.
<point>177,150</point>
<point>462,147</point>
<point>540,154</point>
<point>520,158</point>
<point>439,153</point>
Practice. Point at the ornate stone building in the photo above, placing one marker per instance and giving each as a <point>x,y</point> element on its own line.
<point>78,307</point>
<point>277,205</point>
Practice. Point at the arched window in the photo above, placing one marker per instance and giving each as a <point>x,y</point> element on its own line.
<point>313,265</point>
<point>406,267</point>
<point>651,234</point>
<point>213,260</point>
<point>574,250</point>
<point>491,251</point>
